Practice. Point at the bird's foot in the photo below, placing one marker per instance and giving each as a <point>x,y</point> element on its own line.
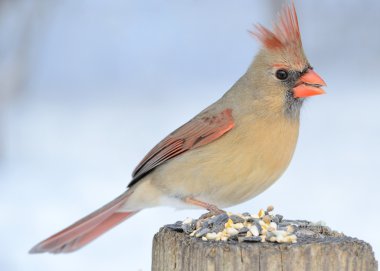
<point>211,214</point>
<point>213,209</point>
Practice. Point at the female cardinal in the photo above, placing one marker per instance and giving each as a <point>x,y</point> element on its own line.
<point>229,153</point>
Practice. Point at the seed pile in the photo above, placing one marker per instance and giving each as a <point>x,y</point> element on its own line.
<point>261,227</point>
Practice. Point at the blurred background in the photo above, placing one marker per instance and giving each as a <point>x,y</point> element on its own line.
<point>88,87</point>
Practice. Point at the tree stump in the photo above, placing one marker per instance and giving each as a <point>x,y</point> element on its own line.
<point>317,248</point>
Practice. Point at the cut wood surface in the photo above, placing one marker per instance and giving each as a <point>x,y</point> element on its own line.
<point>318,248</point>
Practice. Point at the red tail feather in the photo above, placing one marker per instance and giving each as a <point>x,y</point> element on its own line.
<point>85,230</point>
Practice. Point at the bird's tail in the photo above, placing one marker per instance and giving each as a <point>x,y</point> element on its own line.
<point>87,229</point>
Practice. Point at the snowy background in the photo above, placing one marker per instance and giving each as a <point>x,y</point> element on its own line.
<point>88,87</point>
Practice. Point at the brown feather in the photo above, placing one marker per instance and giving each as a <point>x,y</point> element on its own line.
<point>194,134</point>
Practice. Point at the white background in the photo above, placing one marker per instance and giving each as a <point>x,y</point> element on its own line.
<point>88,87</point>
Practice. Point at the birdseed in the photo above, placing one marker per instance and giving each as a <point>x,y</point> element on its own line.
<point>261,227</point>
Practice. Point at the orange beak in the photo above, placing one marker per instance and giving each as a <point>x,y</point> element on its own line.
<point>309,85</point>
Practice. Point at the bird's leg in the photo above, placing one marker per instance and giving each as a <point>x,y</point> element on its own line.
<point>214,210</point>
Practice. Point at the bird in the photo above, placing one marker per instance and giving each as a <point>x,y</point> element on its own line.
<point>227,154</point>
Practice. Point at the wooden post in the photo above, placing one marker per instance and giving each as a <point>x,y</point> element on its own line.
<point>318,248</point>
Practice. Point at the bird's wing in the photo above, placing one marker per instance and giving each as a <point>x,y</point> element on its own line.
<point>197,132</point>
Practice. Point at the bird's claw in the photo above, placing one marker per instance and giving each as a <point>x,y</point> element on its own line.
<point>214,211</point>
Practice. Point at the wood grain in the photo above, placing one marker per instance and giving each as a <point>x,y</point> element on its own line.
<point>316,249</point>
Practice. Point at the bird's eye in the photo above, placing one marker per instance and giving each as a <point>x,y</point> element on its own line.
<point>282,74</point>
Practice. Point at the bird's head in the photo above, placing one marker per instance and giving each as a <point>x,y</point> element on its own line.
<point>281,69</point>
